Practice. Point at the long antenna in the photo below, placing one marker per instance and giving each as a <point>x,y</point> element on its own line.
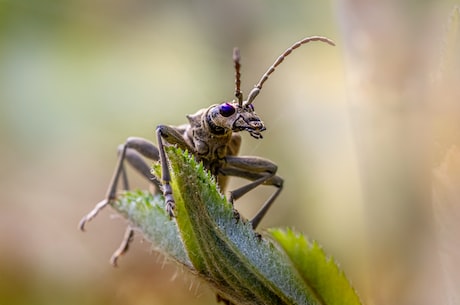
<point>236,61</point>
<point>255,91</point>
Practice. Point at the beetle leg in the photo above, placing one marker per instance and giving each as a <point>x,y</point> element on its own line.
<point>172,136</point>
<point>124,246</point>
<point>261,172</point>
<point>131,151</point>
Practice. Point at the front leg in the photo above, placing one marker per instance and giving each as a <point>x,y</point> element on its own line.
<point>261,172</point>
<point>173,136</point>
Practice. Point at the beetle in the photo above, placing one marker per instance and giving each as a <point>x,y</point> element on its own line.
<point>212,136</point>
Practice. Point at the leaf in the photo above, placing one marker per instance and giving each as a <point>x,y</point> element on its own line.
<point>228,253</point>
<point>321,273</point>
<point>223,249</point>
<point>147,212</point>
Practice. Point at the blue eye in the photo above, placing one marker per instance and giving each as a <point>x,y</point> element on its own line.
<point>226,109</point>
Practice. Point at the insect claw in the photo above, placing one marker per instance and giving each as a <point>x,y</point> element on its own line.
<point>170,205</point>
<point>236,216</point>
<point>92,214</point>
<point>114,260</point>
<point>81,224</point>
<point>124,246</point>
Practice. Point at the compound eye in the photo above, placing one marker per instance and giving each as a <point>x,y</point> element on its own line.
<point>226,109</point>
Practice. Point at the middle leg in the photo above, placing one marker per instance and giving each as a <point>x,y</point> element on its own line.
<point>261,172</point>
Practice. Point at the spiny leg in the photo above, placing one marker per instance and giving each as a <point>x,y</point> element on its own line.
<point>261,172</point>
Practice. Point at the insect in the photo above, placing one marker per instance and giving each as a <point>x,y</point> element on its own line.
<point>212,136</point>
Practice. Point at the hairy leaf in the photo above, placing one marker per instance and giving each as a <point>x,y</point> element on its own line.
<point>319,272</point>
<point>219,246</point>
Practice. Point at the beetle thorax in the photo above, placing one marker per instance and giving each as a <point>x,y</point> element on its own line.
<point>210,141</point>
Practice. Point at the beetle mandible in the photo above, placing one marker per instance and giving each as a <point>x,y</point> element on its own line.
<point>212,137</point>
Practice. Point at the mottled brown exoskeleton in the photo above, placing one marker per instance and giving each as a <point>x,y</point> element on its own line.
<point>211,135</point>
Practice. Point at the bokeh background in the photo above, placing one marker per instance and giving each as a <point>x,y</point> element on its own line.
<point>362,132</point>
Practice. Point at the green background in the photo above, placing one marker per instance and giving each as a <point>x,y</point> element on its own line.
<point>346,126</point>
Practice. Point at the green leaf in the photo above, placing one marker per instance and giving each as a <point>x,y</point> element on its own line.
<point>321,273</point>
<point>228,253</point>
<point>147,213</point>
<point>218,245</point>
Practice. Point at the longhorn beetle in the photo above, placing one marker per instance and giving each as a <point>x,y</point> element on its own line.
<point>212,137</point>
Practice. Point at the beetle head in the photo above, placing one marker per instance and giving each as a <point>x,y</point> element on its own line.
<point>236,117</point>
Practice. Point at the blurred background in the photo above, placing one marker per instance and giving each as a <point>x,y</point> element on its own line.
<point>364,134</point>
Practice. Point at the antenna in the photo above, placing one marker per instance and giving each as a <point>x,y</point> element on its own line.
<point>236,61</point>
<point>255,91</point>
